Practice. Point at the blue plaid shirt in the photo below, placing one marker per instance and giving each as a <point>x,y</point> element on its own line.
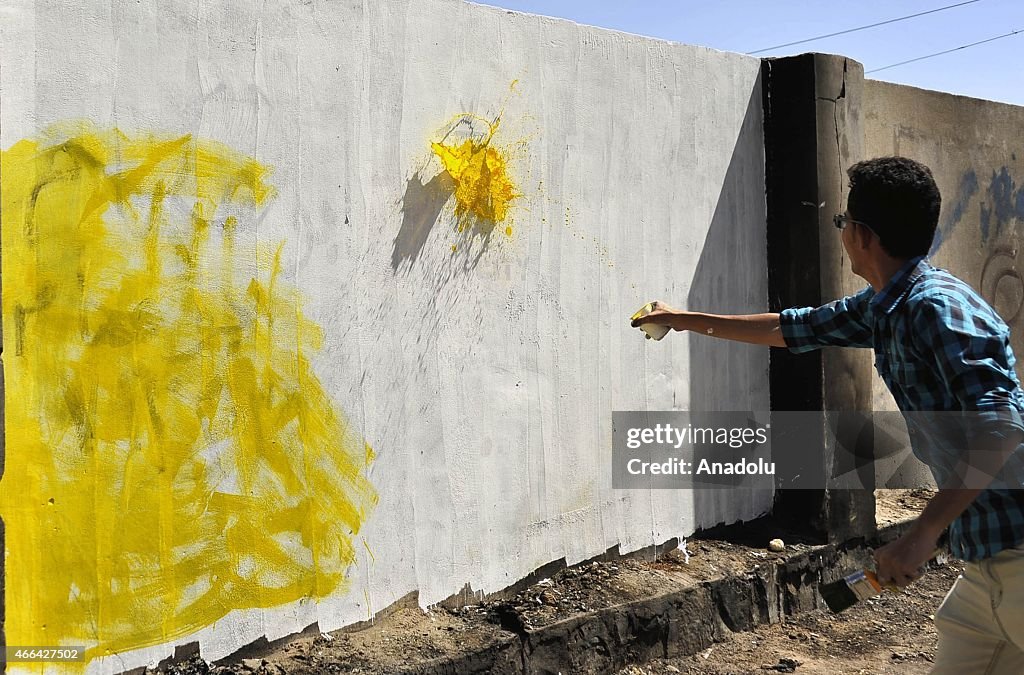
<point>939,347</point>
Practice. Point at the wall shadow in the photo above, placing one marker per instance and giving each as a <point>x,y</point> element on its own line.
<point>422,204</point>
<point>735,248</point>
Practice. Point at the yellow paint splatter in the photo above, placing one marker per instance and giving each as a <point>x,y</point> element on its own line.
<point>484,190</point>
<point>171,454</point>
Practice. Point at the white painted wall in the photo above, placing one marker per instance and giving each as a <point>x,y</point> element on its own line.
<point>486,389</point>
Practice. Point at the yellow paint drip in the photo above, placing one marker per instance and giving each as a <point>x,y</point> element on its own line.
<point>171,455</point>
<point>484,189</point>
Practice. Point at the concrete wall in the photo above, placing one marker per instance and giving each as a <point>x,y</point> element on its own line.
<point>975,149</point>
<point>310,306</point>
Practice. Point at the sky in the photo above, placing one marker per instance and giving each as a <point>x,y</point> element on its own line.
<point>993,71</point>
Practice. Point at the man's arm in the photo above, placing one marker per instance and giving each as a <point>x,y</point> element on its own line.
<point>756,329</point>
<point>840,323</point>
<point>901,561</point>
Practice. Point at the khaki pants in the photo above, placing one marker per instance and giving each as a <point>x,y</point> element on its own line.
<point>981,621</point>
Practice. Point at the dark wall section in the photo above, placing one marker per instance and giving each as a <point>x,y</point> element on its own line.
<point>812,133</point>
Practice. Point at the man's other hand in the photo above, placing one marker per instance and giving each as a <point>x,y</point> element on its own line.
<point>902,561</point>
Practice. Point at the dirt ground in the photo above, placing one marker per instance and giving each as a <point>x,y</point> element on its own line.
<point>891,634</point>
<point>887,635</point>
<point>410,637</point>
<point>893,506</point>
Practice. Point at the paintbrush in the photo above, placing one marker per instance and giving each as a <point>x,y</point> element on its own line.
<point>851,589</point>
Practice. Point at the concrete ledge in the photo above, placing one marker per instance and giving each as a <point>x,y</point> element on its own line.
<point>678,623</point>
<point>720,583</point>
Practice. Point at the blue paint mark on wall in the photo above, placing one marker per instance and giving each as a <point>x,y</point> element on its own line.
<point>1005,203</point>
<point>968,188</point>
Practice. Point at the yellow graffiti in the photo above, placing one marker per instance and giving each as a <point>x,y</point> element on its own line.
<point>171,455</point>
<point>484,189</point>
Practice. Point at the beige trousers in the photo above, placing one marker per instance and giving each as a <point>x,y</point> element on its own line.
<point>981,621</point>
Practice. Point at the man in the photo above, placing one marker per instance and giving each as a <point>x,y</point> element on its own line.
<point>939,347</point>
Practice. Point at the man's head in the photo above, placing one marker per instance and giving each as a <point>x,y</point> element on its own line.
<point>898,200</point>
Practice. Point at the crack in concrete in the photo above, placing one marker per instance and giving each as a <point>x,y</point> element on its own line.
<point>835,121</point>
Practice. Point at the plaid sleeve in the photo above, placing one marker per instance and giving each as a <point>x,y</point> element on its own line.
<point>970,346</point>
<point>840,323</point>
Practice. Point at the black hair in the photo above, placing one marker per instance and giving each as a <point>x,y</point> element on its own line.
<point>897,198</point>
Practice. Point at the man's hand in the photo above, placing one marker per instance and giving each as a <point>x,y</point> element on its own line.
<point>663,315</point>
<point>902,561</point>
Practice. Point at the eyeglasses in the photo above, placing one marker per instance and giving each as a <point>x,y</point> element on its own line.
<point>841,221</point>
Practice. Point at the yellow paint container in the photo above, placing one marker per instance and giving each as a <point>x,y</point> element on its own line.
<point>654,331</point>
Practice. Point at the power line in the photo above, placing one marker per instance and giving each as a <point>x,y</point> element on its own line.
<point>922,58</point>
<point>854,30</point>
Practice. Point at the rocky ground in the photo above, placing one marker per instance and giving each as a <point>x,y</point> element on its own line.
<point>410,637</point>
<point>890,634</point>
